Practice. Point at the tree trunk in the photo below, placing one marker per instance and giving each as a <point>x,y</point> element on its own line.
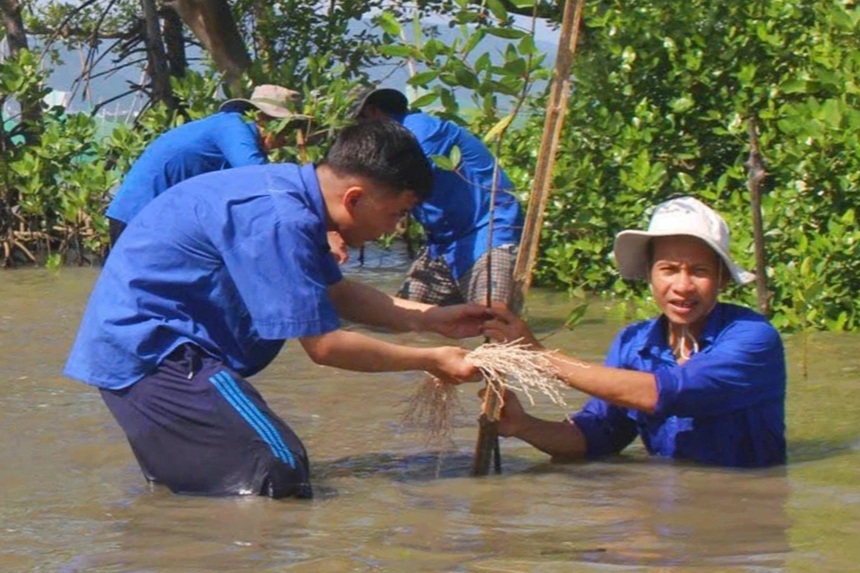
<point>16,39</point>
<point>213,25</point>
<point>757,174</point>
<point>174,42</point>
<point>263,46</point>
<point>156,56</point>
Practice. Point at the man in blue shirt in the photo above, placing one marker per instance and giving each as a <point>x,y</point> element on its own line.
<point>465,206</point>
<point>208,282</point>
<point>703,382</point>
<point>223,140</point>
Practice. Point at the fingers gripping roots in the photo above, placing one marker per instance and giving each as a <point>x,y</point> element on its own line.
<point>512,365</point>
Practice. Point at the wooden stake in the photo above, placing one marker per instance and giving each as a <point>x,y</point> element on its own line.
<point>757,174</point>
<point>527,253</point>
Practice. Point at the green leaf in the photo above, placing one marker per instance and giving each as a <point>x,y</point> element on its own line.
<point>456,156</point>
<point>681,104</point>
<point>508,33</point>
<point>526,46</point>
<point>432,48</point>
<point>483,63</point>
<point>831,113</point>
<point>425,100</point>
<point>794,86</point>
<point>442,162</point>
<point>423,78</point>
<point>389,23</point>
<point>498,9</point>
<point>465,77</point>
<point>500,127</point>
<point>575,316</point>
<point>398,51</point>
<point>472,42</point>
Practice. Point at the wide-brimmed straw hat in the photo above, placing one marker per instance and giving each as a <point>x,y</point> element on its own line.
<point>274,101</point>
<point>682,216</point>
<point>388,100</point>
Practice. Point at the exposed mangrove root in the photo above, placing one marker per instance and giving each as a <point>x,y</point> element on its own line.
<point>431,409</point>
<point>512,365</point>
<point>515,366</point>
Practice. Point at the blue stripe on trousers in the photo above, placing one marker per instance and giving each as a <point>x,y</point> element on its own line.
<point>228,388</point>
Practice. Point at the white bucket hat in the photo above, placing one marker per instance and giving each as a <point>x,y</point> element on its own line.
<point>274,101</point>
<point>682,216</point>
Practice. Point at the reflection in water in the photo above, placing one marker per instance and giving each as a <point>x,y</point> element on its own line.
<point>73,498</point>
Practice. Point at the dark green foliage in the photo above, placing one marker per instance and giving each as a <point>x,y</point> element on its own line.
<point>662,97</point>
<point>660,108</point>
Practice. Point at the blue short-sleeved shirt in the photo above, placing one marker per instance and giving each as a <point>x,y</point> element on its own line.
<point>234,262</point>
<point>220,141</point>
<point>456,217</point>
<point>724,406</point>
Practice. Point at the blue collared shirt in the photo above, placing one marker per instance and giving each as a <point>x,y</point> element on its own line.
<point>456,217</point>
<point>724,406</point>
<point>220,141</point>
<point>233,262</point>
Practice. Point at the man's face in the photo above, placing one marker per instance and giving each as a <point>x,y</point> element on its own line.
<point>373,214</point>
<point>686,277</point>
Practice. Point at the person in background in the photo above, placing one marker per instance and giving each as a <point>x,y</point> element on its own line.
<point>705,381</point>
<point>453,267</point>
<point>223,140</point>
<point>209,281</point>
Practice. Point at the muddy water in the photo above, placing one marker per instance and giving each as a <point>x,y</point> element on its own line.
<point>73,500</point>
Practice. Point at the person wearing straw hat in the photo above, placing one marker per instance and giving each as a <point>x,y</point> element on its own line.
<point>704,382</point>
<point>472,220</point>
<point>222,140</point>
<point>210,280</point>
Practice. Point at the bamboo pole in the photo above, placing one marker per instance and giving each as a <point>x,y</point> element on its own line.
<point>487,442</point>
<point>757,174</point>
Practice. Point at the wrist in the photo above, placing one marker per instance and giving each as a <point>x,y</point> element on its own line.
<point>524,427</point>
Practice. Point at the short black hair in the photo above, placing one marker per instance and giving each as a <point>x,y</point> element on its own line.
<point>384,151</point>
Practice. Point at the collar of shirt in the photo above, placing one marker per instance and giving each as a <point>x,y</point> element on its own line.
<point>656,343</point>
<point>308,173</point>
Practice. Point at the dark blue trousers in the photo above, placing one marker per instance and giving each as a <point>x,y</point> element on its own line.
<point>197,427</point>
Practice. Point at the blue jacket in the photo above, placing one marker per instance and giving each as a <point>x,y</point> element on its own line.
<point>220,141</point>
<point>456,217</point>
<point>234,263</point>
<point>724,406</point>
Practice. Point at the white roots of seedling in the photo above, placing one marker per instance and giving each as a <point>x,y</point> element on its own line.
<point>512,365</point>
<point>432,408</point>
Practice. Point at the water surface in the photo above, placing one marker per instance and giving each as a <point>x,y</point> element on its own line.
<point>73,499</point>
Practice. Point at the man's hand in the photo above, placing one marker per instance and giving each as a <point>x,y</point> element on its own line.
<point>457,321</point>
<point>512,416</point>
<point>451,366</point>
<point>338,247</point>
<point>505,326</point>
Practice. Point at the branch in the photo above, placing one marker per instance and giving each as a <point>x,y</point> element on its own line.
<point>757,174</point>
<point>556,109</point>
<point>487,445</point>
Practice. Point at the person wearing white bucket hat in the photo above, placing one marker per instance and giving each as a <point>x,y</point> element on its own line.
<point>683,216</point>
<point>222,140</point>
<point>704,382</point>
